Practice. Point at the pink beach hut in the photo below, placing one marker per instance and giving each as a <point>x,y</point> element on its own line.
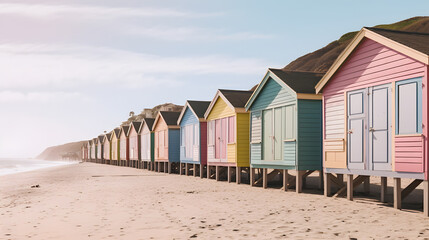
<point>375,112</point>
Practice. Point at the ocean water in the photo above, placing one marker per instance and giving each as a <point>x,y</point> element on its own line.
<point>17,165</point>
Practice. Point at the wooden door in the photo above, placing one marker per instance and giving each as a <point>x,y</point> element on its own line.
<point>277,133</point>
<point>224,138</point>
<point>379,131</point>
<point>217,138</point>
<point>356,115</point>
<point>267,135</point>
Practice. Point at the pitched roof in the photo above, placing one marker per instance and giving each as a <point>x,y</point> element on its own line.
<point>300,82</point>
<point>237,98</point>
<point>411,44</point>
<point>126,129</point>
<point>170,118</point>
<point>109,135</point>
<point>100,138</point>
<point>117,132</point>
<point>149,122</point>
<point>415,40</point>
<point>136,126</point>
<point>199,107</point>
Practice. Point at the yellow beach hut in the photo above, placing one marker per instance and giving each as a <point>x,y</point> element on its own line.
<point>228,135</point>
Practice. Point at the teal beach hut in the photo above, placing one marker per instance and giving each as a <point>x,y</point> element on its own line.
<point>285,127</point>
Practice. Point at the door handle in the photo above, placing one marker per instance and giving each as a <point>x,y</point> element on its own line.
<point>371,129</point>
<point>350,131</point>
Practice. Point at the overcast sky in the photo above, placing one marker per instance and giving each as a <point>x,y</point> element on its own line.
<point>70,70</point>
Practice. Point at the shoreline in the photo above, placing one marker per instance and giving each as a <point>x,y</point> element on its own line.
<point>99,201</point>
<point>38,164</point>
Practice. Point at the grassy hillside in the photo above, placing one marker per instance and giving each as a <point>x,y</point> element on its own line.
<point>320,60</point>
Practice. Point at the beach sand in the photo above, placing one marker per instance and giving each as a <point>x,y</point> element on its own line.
<point>94,201</point>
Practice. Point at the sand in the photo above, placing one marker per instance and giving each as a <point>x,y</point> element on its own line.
<point>94,201</point>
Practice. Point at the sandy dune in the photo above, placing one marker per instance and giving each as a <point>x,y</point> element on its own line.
<point>92,201</point>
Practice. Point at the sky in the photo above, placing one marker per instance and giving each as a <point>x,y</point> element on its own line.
<point>70,70</point>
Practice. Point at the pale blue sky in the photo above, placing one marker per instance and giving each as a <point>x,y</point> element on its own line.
<point>72,69</point>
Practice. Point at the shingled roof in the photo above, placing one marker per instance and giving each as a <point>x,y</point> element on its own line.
<point>237,98</point>
<point>126,130</point>
<point>170,118</point>
<point>199,107</point>
<point>149,122</point>
<point>300,82</point>
<point>117,132</point>
<point>414,40</point>
<point>136,126</point>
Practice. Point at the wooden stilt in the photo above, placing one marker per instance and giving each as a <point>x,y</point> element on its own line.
<point>186,169</point>
<point>426,198</point>
<point>350,187</point>
<point>217,173</point>
<point>366,185</point>
<point>238,175</point>
<point>327,184</point>
<point>285,179</point>
<point>264,178</point>
<point>158,166</point>
<point>383,191</point>
<point>229,174</point>
<point>201,171</point>
<point>252,177</point>
<point>397,196</point>
<point>194,168</point>
<point>299,178</point>
<point>208,172</point>
<point>169,167</point>
<point>321,179</point>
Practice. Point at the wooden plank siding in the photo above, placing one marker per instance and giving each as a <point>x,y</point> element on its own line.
<point>370,64</point>
<point>309,135</point>
<point>409,152</point>
<point>280,99</point>
<point>220,110</point>
<point>173,145</point>
<point>188,120</point>
<point>242,133</point>
<point>147,144</point>
<point>161,128</point>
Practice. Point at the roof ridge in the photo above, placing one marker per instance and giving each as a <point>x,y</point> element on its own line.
<point>284,70</point>
<point>397,31</point>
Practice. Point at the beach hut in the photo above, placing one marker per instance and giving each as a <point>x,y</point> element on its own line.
<point>167,141</point>
<point>228,134</point>
<point>88,149</point>
<point>84,152</point>
<point>124,146</point>
<point>134,144</point>
<point>114,139</point>
<point>286,127</point>
<point>193,137</point>
<point>107,151</point>
<point>100,155</point>
<point>94,150</point>
<point>147,143</point>
<point>375,106</point>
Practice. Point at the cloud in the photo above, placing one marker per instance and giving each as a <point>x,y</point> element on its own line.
<point>191,34</point>
<point>41,97</point>
<point>28,66</point>
<point>45,10</point>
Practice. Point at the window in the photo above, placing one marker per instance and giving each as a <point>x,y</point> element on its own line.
<point>409,106</point>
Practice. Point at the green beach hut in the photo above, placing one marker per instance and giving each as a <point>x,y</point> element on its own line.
<point>285,127</point>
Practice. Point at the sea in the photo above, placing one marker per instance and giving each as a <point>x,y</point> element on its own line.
<point>18,165</point>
